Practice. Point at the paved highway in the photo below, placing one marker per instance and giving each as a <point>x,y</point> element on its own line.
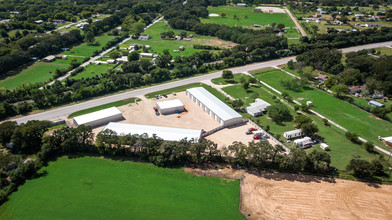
<point>63,112</point>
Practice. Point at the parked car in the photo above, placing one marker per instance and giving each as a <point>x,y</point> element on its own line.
<point>257,137</point>
<point>252,129</point>
<point>156,97</point>
<point>157,113</point>
<point>164,95</point>
<point>203,131</point>
<point>248,132</point>
<point>155,109</point>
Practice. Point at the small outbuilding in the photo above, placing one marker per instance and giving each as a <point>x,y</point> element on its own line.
<point>170,107</point>
<point>257,108</point>
<point>324,146</point>
<point>97,118</point>
<point>293,134</point>
<point>376,104</point>
<point>50,58</point>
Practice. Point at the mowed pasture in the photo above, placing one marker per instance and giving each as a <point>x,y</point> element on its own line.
<point>97,188</point>
<point>38,72</point>
<point>86,50</point>
<point>342,150</point>
<point>246,17</point>
<point>158,45</point>
<point>92,70</point>
<point>349,116</point>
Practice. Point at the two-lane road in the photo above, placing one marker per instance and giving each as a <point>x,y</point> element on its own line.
<point>63,112</point>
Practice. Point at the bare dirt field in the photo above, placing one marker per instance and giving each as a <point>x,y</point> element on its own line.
<point>291,196</point>
<point>143,113</point>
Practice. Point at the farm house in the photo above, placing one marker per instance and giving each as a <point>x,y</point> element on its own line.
<point>166,133</point>
<point>97,118</point>
<point>214,107</point>
<point>257,108</point>
<point>170,107</point>
<point>293,134</point>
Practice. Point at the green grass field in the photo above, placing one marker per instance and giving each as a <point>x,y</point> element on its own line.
<point>252,17</point>
<point>97,188</point>
<point>85,50</point>
<point>341,112</point>
<point>97,108</point>
<point>158,45</point>
<point>342,150</point>
<point>235,80</point>
<point>93,70</point>
<point>38,72</point>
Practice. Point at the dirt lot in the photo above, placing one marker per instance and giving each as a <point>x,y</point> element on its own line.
<point>143,113</point>
<point>227,136</point>
<point>290,196</point>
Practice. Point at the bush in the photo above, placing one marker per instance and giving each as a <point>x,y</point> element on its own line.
<point>353,137</point>
<point>369,146</point>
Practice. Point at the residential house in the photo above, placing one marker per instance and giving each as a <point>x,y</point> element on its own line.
<point>177,37</point>
<point>58,21</point>
<point>293,134</point>
<point>39,21</point>
<point>303,142</point>
<point>356,90</point>
<point>241,5</point>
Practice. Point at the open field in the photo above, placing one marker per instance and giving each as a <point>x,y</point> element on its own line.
<point>97,188</point>
<point>252,17</point>
<point>38,72</point>
<point>341,112</point>
<point>158,45</point>
<point>85,50</point>
<point>292,196</point>
<point>93,70</point>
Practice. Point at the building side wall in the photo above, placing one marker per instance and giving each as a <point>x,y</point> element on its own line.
<point>102,121</point>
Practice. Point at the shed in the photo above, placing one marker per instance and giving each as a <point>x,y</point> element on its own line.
<point>376,104</point>
<point>324,146</point>
<point>147,55</point>
<point>181,48</point>
<point>97,118</point>
<point>111,61</point>
<point>386,140</point>
<point>257,108</point>
<point>170,107</point>
<point>49,58</point>
<point>293,134</point>
<point>166,133</point>
<point>144,37</point>
<point>241,5</point>
<point>214,107</point>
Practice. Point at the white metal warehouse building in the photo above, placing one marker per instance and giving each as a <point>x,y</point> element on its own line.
<point>97,118</point>
<point>166,133</point>
<point>217,109</point>
<point>169,107</point>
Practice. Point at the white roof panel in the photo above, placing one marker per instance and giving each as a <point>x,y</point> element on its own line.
<point>388,139</point>
<point>170,104</point>
<point>222,110</point>
<point>83,119</point>
<point>293,132</point>
<point>166,133</point>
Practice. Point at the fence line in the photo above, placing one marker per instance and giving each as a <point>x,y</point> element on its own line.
<point>269,135</point>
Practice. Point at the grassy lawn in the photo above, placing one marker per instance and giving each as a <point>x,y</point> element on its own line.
<point>252,17</point>
<point>97,108</point>
<point>158,45</point>
<point>385,51</point>
<point>342,150</point>
<point>235,80</point>
<point>97,188</point>
<point>38,72</point>
<point>343,113</point>
<point>93,70</point>
<point>85,50</point>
